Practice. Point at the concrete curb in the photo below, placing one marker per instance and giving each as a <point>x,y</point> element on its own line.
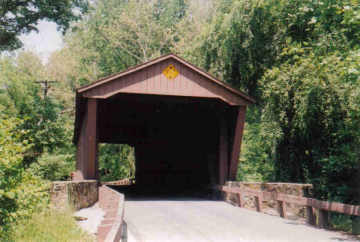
<point>115,233</point>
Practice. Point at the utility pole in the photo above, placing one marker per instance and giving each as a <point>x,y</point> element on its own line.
<point>46,86</point>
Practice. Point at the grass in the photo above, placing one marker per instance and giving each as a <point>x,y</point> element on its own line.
<point>50,226</point>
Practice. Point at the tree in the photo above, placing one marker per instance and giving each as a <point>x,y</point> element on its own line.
<point>22,99</point>
<point>241,42</point>
<point>21,16</point>
<point>117,34</point>
<point>314,102</point>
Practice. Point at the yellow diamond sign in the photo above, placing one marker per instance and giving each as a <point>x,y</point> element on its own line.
<point>170,72</point>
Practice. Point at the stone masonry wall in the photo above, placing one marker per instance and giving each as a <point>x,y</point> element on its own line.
<point>292,211</point>
<point>76,194</point>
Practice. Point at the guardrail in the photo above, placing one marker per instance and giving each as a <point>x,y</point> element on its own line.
<point>323,207</point>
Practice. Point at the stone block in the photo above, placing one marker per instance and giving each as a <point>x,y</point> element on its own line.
<point>74,194</point>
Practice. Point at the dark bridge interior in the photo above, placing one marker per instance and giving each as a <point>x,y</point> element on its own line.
<point>176,139</point>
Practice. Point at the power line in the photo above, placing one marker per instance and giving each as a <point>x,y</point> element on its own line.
<point>46,86</point>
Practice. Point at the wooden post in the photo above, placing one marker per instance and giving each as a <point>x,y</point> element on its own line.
<point>223,152</point>
<point>87,147</point>
<point>281,206</point>
<point>310,217</point>
<point>323,219</point>
<point>258,203</point>
<point>92,139</point>
<point>240,200</point>
<point>238,133</point>
<point>80,154</point>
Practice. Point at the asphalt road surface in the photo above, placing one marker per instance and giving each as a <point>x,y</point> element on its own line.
<point>201,220</point>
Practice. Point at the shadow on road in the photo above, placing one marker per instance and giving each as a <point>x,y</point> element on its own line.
<point>141,193</point>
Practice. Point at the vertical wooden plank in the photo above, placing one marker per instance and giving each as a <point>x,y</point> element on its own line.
<point>223,151</point>
<point>80,153</point>
<point>87,148</point>
<point>310,217</point>
<point>153,78</point>
<point>205,86</point>
<point>180,79</point>
<point>163,83</point>
<point>159,77</point>
<point>238,133</point>
<point>281,208</point>
<point>177,84</point>
<point>171,81</point>
<point>184,80</point>
<point>130,86</point>
<point>258,203</point>
<point>147,76</point>
<point>192,83</point>
<point>323,219</point>
<point>240,200</point>
<point>154,75</point>
<point>91,139</point>
<point>144,74</point>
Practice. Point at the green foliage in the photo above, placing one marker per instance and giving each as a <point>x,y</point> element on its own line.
<point>341,222</point>
<point>242,41</point>
<point>312,100</point>
<point>19,17</point>
<point>53,166</point>
<point>44,126</point>
<point>50,226</point>
<point>169,12</point>
<point>21,98</point>
<point>21,194</point>
<point>118,34</point>
<point>256,162</point>
<point>312,96</point>
<point>116,162</point>
<point>300,60</point>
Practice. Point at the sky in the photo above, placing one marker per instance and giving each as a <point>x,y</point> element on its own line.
<point>46,41</point>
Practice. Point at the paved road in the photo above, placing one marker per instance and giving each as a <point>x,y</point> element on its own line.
<point>200,220</point>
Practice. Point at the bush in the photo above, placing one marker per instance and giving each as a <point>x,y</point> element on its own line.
<point>21,194</point>
<point>53,167</point>
<point>116,161</point>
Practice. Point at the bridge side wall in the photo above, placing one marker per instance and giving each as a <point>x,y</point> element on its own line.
<point>270,207</point>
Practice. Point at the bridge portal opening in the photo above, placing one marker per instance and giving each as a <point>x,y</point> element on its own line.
<point>116,163</point>
<point>185,126</point>
<point>175,138</point>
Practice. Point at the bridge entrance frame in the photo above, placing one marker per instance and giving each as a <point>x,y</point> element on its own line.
<point>146,107</point>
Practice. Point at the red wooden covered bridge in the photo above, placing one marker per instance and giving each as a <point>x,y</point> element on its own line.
<point>186,126</point>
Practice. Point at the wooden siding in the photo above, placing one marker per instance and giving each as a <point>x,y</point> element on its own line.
<point>223,151</point>
<point>87,147</point>
<point>151,80</point>
<point>238,133</point>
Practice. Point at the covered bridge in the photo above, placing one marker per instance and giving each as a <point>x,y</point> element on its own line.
<point>186,126</point>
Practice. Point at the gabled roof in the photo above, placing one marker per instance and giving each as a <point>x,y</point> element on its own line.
<point>148,78</point>
<point>81,91</point>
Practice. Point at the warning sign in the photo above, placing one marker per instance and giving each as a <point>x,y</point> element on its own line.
<point>170,72</point>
